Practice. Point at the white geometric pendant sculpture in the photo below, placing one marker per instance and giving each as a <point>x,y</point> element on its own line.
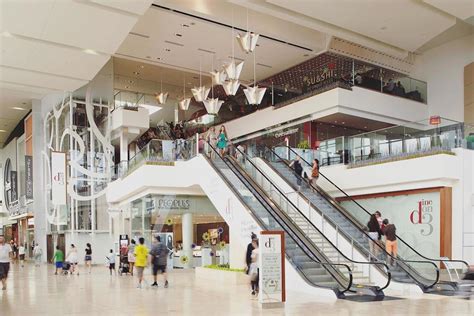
<point>254,94</point>
<point>218,77</point>
<point>184,104</point>
<point>200,93</point>
<point>161,97</point>
<point>213,105</point>
<point>248,41</point>
<point>233,70</point>
<point>231,86</point>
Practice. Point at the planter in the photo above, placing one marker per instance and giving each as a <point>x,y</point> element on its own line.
<point>221,276</point>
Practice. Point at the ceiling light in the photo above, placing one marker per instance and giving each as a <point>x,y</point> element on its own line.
<point>142,66</point>
<point>184,104</point>
<point>131,81</point>
<point>136,73</point>
<point>126,87</point>
<point>184,25</point>
<point>365,126</point>
<point>18,108</point>
<point>248,41</point>
<point>343,123</point>
<point>383,28</point>
<point>159,58</point>
<point>200,93</point>
<point>167,49</point>
<point>90,51</point>
<point>148,56</point>
<point>218,76</point>
<point>178,35</point>
<point>2,131</point>
<point>305,55</point>
<point>254,94</point>
<point>233,70</point>
<point>231,87</point>
<point>161,97</point>
<point>213,105</point>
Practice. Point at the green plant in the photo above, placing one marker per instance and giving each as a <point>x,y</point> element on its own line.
<point>304,144</point>
<point>223,267</point>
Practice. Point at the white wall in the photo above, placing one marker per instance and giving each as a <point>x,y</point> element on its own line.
<point>426,172</point>
<point>443,69</point>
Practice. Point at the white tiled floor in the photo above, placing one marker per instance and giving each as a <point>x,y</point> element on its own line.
<point>36,291</point>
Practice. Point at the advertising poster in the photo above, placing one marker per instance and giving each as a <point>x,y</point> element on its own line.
<point>14,186</point>
<point>416,217</point>
<point>29,177</point>
<point>58,178</point>
<point>272,267</point>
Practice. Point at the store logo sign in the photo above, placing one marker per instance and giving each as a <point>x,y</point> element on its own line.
<point>173,204</point>
<point>423,216</point>
<point>59,178</point>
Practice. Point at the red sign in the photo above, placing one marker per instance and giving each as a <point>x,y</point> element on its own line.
<point>435,120</point>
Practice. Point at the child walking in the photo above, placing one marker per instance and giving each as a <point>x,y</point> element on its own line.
<point>111,259</point>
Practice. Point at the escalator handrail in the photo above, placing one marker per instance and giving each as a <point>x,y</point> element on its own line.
<point>358,204</point>
<point>345,288</point>
<point>365,233</point>
<point>312,224</point>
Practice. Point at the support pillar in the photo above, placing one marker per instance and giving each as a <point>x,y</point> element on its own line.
<point>124,145</point>
<point>188,232</point>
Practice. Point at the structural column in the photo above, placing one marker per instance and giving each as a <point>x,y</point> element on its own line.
<point>187,222</point>
<point>124,145</point>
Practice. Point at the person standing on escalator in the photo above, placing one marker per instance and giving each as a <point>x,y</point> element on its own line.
<point>298,168</point>
<point>375,234</point>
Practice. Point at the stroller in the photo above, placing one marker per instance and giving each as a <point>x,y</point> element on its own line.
<point>124,267</point>
<point>66,268</point>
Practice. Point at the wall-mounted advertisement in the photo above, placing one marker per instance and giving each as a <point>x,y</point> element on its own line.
<point>416,217</point>
<point>58,178</point>
<point>14,186</point>
<point>29,177</point>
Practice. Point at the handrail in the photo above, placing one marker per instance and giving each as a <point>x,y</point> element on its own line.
<point>349,216</point>
<point>312,224</point>
<point>237,173</point>
<point>358,204</point>
<point>398,237</point>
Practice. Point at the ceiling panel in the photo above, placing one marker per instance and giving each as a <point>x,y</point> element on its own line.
<point>462,9</point>
<point>54,59</point>
<point>406,24</point>
<point>136,6</point>
<point>163,39</point>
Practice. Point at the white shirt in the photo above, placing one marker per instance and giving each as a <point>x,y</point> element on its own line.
<point>21,250</point>
<point>5,253</point>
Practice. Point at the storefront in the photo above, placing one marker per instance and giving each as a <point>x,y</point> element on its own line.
<point>195,232</point>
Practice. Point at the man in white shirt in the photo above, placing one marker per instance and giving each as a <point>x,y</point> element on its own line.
<point>5,254</point>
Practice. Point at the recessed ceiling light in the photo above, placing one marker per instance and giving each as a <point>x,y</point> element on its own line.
<point>343,123</point>
<point>131,81</point>
<point>159,58</point>
<point>148,56</point>
<point>24,103</point>
<point>18,108</point>
<point>167,49</point>
<point>126,87</point>
<point>365,126</point>
<point>136,73</point>
<point>192,23</point>
<point>90,51</point>
<point>305,55</point>
<point>141,66</point>
<point>178,35</point>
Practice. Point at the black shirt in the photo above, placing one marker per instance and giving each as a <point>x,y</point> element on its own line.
<point>88,251</point>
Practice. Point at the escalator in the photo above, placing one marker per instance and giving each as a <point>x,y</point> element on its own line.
<point>410,266</point>
<point>306,248</point>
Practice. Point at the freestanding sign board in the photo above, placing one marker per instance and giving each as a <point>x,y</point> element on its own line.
<point>272,268</point>
<point>58,178</point>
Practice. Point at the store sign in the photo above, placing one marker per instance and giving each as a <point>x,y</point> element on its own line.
<point>58,178</point>
<point>435,120</point>
<point>272,267</point>
<point>416,217</point>
<point>29,177</point>
<point>173,204</point>
<point>328,72</point>
<point>286,133</point>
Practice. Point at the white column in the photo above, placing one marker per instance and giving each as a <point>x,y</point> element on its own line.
<point>176,114</point>
<point>187,222</point>
<point>124,145</point>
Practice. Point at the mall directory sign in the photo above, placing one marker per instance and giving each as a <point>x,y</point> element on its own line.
<point>272,268</point>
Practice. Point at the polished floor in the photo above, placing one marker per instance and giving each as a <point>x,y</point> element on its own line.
<point>37,291</point>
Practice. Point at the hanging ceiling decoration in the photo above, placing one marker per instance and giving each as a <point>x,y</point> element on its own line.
<point>254,94</point>
<point>233,70</point>
<point>231,87</point>
<point>219,77</point>
<point>200,93</point>
<point>248,41</point>
<point>162,96</point>
<point>185,102</point>
<point>213,105</point>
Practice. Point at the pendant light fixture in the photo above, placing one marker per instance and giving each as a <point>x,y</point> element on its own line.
<point>232,85</point>
<point>213,105</point>
<point>185,102</point>
<point>200,93</point>
<point>161,97</point>
<point>218,77</point>
<point>254,94</point>
<point>248,41</point>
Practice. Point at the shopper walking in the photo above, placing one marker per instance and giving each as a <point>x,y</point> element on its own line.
<point>37,254</point>
<point>159,254</point>
<point>141,258</point>
<point>375,234</point>
<point>222,141</point>
<point>111,259</point>
<point>21,254</point>
<point>254,271</point>
<point>58,259</point>
<point>14,247</point>
<point>391,245</point>
<point>73,259</point>
<point>248,255</point>
<point>6,252</point>
<point>131,255</point>
<point>88,257</point>
<point>298,168</point>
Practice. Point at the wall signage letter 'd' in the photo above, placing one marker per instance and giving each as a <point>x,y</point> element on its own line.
<point>58,178</point>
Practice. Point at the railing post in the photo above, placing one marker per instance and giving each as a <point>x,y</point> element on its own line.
<point>197,145</point>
